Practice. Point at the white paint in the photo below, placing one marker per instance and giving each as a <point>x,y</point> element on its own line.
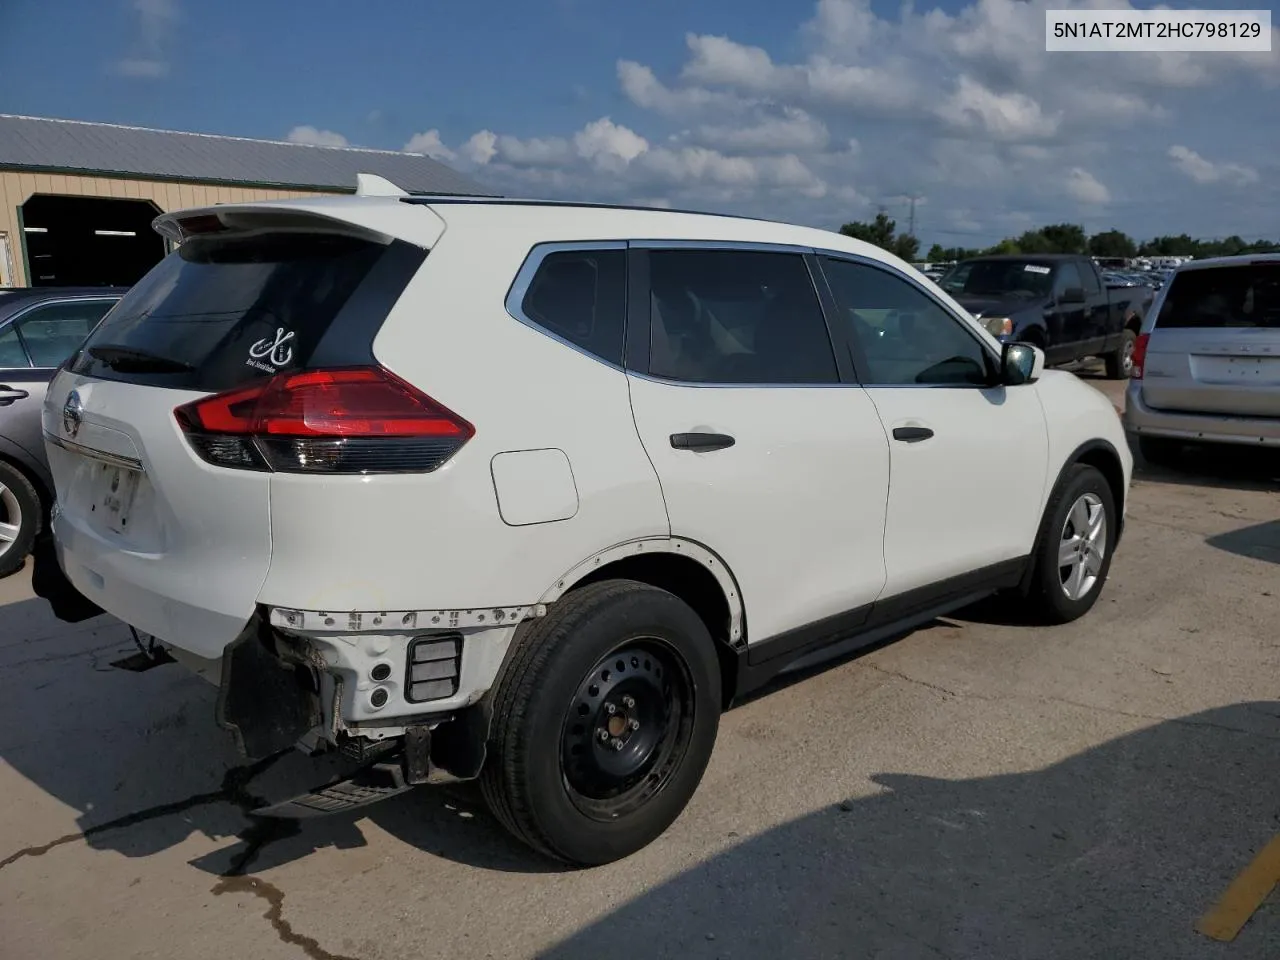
<point>534,486</point>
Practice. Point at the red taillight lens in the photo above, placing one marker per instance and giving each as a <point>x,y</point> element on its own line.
<point>1139,354</point>
<point>354,420</point>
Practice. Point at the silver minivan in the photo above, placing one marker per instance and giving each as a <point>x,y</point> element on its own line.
<point>1207,361</point>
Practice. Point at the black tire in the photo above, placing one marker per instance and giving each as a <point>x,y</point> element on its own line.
<point>1119,361</point>
<point>1049,599</point>
<point>531,782</point>
<point>1159,451</point>
<point>17,496</point>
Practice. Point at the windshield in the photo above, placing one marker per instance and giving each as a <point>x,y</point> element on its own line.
<point>1240,296</point>
<point>979,278</point>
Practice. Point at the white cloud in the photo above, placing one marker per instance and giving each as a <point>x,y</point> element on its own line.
<point>315,137</point>
<point>1191,164</point>
<point>791,129</point>
<point>965,106</point>
<point>1003,116</point>
<point>155,20</point>
<point>1085,187</point>
<point>429,143</point>
<point>481,148</point>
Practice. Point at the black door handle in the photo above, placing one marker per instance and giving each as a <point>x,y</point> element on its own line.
<point>701,441</point>
<point>912,434</point>
<point>9,394</point>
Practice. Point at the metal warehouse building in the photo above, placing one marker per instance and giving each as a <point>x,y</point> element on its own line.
<point>77,199</point>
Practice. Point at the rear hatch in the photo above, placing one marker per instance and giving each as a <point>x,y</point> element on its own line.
<point>1215,345</point>
<point>166,526</point>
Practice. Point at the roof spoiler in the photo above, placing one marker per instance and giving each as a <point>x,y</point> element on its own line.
<point>372,185</point>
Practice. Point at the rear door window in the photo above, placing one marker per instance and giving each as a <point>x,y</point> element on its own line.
<point>736,316</point>
<point>54,332</point>
<point>219,312</point>
<point>1247,295</point>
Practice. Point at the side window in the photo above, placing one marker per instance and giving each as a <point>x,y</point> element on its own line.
<point>581,296</point>
<point>906,336</point>
<point>736,316</point>
<point>55,332</point>
<point>12,356</point>
<point>1090,277</point>
<point>1068,277</point>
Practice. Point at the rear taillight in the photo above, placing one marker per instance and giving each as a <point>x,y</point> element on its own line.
<point>1139,355</point>
<point>353,420</point>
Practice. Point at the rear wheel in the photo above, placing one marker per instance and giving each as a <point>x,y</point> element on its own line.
<point>20,518</point>
<point>1120,360</point>
<point>604,720</point>
<point>1074,556</point>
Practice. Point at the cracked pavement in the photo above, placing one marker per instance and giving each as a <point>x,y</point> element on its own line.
<point>976,789</point>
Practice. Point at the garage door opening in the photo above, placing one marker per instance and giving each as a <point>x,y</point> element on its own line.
<point>89,241</point>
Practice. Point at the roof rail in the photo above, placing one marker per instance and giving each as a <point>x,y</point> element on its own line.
<point>578,204</point>
<point>372,185</point>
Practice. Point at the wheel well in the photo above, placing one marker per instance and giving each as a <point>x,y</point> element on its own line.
<point>1035,336</point>
<point>692,583</point>
<point>1107,463</point>
<point>1133,322</point>
<point>45,495</point>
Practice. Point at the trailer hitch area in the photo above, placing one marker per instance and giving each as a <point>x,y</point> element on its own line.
<point>399,768</point>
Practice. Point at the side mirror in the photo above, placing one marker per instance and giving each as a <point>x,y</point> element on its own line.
<point>1072,295</point>
<point>1020,363</point>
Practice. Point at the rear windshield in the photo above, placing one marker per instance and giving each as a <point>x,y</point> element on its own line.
<point>217,313</point>
<point>1215,297</point>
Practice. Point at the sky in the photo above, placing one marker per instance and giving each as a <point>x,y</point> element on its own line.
<point>814,111</point>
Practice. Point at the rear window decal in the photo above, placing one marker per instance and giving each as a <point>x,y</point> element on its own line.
<point>276,352</point>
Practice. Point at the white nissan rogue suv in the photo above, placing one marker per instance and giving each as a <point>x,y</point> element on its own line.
<point>530,492</point>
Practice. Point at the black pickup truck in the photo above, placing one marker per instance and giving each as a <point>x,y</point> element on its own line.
<point>1056,301</point>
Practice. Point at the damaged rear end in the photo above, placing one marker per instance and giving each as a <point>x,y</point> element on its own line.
<point>235,380</point>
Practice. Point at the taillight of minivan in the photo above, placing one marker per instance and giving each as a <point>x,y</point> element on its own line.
<point>352,420</point>
<point>1139,354</point>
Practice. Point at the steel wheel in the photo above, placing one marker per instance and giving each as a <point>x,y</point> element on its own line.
<point>10,518</point>
<point>1082,546</point>
<point>626,729</point>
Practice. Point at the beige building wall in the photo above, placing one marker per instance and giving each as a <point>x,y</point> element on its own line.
<point>17,187</point>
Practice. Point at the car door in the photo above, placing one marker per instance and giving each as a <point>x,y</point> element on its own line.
<point>967,460</point>
<point>766,454</point>
<point>1071,327</point>
<point>42,336</point>
<point>1100,328</point>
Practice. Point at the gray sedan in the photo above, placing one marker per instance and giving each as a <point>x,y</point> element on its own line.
<point>39,328</point>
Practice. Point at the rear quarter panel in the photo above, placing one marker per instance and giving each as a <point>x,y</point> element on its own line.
<point>438,540</point>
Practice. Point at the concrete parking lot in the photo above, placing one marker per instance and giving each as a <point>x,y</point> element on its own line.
<point>979,789</point>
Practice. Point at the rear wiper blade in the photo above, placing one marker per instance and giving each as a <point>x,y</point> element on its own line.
<point>131,359</point>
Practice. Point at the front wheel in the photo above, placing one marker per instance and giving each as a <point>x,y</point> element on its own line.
<point>604,720</point>
<point>1074,556</point>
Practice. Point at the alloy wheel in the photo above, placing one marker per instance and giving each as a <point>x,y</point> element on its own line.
<point>1082,546</point>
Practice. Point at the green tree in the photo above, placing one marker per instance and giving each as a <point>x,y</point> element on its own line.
<point>936,254</point>
<point>882,231</point>
<point>1112,243</point>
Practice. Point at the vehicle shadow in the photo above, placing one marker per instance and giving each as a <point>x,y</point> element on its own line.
<point>1260,541</point>
<point>1222,466</point>
<point>1114,852</point>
